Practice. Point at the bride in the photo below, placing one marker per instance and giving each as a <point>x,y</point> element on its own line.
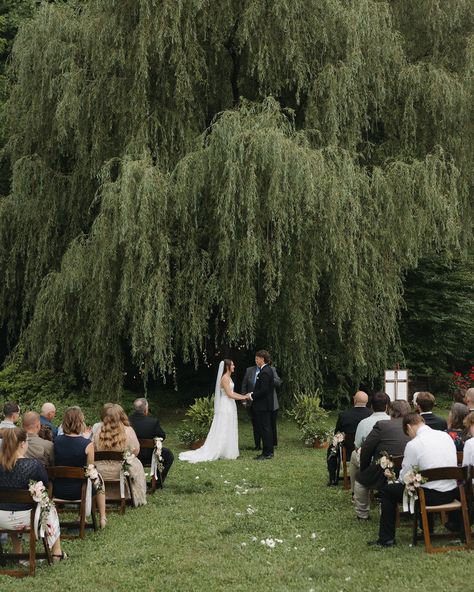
<point>223,438</point>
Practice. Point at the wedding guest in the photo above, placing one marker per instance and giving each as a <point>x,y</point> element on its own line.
<point>424,405</point>
<point>148,427</point>
<point>347,422</point>
<point>11,412</point>
<point>48,413</point>
<point>379,404</point>
<point>43,450</point>
<point>71,449</point>
<point>456,418</point>
<point>468,453</point>
<point>469,398</point>
<point>96,427</point>
<point>16,471</point>
<point>115,436</point>
<point>386,436</point>
<point>427,449</point>
<point>248,384</point>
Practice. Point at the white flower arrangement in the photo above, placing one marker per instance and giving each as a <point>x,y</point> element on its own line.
<point>128,458</point>
<point>157,465</point>
<point>40,495</point>
<point>386,463</point>
<point>412,480</point>
<point>93,474</point>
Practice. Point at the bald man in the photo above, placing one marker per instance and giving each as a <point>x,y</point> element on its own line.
<point>48,412</point>
<point>347,422</point>
<point>42,450</point>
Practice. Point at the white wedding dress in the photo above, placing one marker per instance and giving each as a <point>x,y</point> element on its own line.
<point>223,438</point>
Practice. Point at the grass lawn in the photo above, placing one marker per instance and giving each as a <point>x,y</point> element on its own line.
<point>203,532</point>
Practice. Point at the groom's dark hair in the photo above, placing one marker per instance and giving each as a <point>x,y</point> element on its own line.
<point>262,353</point>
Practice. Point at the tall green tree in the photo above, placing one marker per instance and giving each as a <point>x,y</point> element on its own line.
<point>191,172</point>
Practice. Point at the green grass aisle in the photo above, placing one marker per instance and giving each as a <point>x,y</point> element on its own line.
<point>204,531</point>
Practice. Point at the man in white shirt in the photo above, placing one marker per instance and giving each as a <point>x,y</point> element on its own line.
<point>428,449</point>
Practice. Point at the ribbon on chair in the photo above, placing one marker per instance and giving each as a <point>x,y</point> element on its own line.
<point>89,498</point>
<point>122,483</point>
<point>39,530</point>
<point>409,501</point>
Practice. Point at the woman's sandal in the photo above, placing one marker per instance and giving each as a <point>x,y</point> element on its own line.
<point>57,558</point>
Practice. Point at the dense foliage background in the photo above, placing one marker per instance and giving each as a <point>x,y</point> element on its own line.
<point>187,179</point>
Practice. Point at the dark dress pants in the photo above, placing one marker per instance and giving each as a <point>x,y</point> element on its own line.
<point>257,436</point>
<point>168,458</point>
<point>264,423</point>
<point>392,494</point>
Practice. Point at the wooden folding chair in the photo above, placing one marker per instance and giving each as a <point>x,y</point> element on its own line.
<point>122,501</point>
<point>149,444</point>
<point>78,474</point>
<point>460,475</point>
<point>347,449</point>
<point>20,496</point>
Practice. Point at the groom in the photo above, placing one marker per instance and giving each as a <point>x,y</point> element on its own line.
<point>262,397</point>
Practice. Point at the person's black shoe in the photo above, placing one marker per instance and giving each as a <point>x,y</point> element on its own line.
<point>379,543</point>
<point>264,457</point>
<point>361,519</point>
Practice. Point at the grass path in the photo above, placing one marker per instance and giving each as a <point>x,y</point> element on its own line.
<point>203,532</point>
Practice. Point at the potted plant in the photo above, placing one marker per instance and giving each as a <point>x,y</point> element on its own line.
<point>311,419</point>
<point>195,428</point>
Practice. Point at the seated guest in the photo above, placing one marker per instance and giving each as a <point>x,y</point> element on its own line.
<point>11,411</point>
<point>115,436</point>
<point>71,449</point>
<point>37,447</point>
<point>424,404</point>
<point>379,404</point>
<point>469,399</point>
<point>386,436</point>
<point>456,424</point>
<point>468,453</point>
<point>428,449</point>
<point>16,471</point>
<point>147,427</point>
<point>347,422</point>
<point>48,413</point>
<point>96,427</point>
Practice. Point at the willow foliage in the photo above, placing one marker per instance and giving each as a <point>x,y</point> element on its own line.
<point>192,173</point>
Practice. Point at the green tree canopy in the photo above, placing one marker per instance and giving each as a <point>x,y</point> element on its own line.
<point>191,172</point>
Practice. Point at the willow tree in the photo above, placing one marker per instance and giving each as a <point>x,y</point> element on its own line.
<point>193,172</point>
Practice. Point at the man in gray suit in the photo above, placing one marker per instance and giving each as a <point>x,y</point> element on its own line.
<point>386,436</point>
<point>248,385</point>
<point>43,450</point>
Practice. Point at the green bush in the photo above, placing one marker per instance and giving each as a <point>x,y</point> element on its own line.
<point>310,417</point>
<point>200,415</point>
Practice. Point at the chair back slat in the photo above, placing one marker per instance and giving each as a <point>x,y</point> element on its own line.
<point>460,456</point>
<point>397,461</point>
<point>438,474</point>
<point>16,496</point>
<point>61,472</point>
<point>109,455</point>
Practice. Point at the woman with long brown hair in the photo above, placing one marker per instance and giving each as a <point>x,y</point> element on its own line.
<point>16,471</point>
<point>116,435</point>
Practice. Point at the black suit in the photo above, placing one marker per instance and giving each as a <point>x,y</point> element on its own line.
<point>147,427</point>
<point>386,436</point>
<point>435,422</point>
<point>262,397</point>
<point>248,384</point>
<point>347,422</point>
